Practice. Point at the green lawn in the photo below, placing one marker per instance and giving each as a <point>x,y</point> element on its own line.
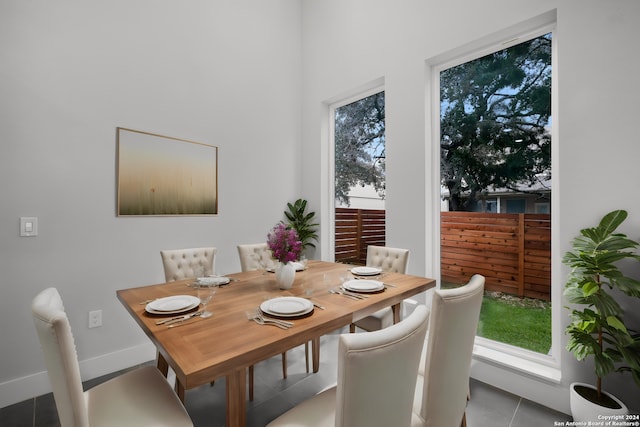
<point>524,323</point>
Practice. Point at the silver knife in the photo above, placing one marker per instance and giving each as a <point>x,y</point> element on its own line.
<point>353,294</point>
<point>178,319</point>
<point>334,291</point>
<point>318,305</point>
<point>180,323</point>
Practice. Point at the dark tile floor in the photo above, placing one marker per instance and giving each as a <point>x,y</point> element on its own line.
<point>488,407</point>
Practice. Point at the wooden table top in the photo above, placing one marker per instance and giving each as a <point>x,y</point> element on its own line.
<point>224,344</point>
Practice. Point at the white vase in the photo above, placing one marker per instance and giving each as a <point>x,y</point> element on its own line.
<point>285,275</point>
<point>585,410</point>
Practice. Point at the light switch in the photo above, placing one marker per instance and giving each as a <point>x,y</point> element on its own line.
<point>28,226</point>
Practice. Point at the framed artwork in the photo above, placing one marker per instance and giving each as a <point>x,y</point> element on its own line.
<point>163,176</point>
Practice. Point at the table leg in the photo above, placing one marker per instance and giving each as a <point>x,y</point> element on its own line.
<point>251,383</point>
<point>162,365</point>
<point>236,398</point>
<point>180,390</point>
<point>396,312</point>
<point>315,354</point>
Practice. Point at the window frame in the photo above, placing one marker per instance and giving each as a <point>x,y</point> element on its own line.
<point>546,367</point>
<point>360,93</point>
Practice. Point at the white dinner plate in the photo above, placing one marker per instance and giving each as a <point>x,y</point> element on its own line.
<point>213,280</point>
<point>362,285</point>
<point>287,306</point>
<point>366,271</point>
<point>168,313</point>
<point>173,304</point>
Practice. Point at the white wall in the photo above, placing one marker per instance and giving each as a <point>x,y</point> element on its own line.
<point>349,43</point>
<point>226,73</point>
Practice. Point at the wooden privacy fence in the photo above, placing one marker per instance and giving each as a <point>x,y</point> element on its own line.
<point>355,230</point>
<point>512,251</point>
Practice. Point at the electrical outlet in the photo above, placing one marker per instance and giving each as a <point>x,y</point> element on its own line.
<point>95,318</point>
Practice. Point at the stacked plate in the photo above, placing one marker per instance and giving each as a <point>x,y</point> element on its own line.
<point>287,306</point>
<point>172,305</point>
<point>297,265</point>
<point>362,285</point>
<point>366,271</point>
<point>212,280</point>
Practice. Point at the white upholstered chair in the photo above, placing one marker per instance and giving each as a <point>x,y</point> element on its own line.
<point>257,256</point>
<point>443,375</point>
<point>387,259</point>
<point>141,397</point>
<point>376,380</point>
<point>181,264</point>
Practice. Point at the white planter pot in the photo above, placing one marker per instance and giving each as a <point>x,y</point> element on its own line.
<point>585,410</point>
<point>285,275</point>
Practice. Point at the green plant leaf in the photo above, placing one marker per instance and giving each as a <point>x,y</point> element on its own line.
<point>604,364</point>
<point>590,288</point>
<point>612,220</point>
<point>614,322</point>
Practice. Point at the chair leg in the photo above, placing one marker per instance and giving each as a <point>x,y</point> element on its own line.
<point>315,354</point>
<point>251,383</point>
<point>284,365</point>
<point>464,419</point>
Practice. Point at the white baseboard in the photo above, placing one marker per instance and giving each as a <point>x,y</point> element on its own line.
<point>37,384</point>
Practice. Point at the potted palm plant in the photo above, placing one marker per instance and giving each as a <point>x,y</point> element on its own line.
<point>302,222</point>
<point>597,325</point>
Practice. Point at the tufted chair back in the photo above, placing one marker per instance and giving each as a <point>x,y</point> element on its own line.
<point>185,263</point>
<point>388,259</point>
<point>377,374</point>
<point>443,386</point>
<point>60,357</point>
<point>140,397</point>
<point>256,256</point>
<point>379,370</point>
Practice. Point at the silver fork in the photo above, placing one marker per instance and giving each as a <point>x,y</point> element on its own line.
<point>353,294</point>
<point>262,321</point>
<point>338,292</point>
<point>264,317</point>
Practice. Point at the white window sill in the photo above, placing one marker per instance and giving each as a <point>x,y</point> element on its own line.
<point>542,367</point>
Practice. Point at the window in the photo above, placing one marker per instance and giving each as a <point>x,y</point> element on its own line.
<point>542,208</point>
<point>358,135</point>
<point>516,206</point>
<point>486,205</point>
<point>495,145</point>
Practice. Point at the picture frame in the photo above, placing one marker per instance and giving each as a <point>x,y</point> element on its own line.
<point>160,175</point>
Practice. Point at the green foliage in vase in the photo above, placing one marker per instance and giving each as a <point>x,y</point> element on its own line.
<point>598,329</point>
<point>302,222</point>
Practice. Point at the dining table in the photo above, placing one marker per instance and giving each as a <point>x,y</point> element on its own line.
<point>200,350</point>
